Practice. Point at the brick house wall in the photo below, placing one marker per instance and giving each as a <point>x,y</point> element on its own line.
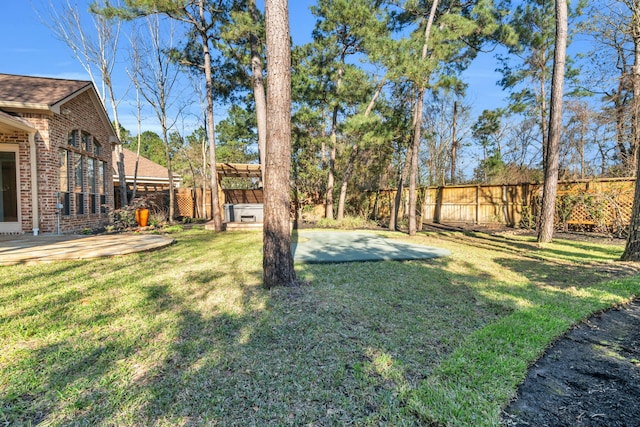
<point>78,114</point>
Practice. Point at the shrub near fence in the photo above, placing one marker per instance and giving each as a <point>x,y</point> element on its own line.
<point>599,205</point>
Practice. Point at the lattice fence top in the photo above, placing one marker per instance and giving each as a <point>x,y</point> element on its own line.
<point>184,205</point>
<point>601,204</point>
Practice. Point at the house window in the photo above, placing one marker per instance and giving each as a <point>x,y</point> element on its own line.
<point>102,185</point>
<point>79,188</point>
<point>82,174</point>
<point>86,142</point>
<point>72,138</point>
<point>93,166</point>
<point>63,173</point>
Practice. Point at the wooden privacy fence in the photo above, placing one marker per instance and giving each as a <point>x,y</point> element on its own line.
<point>598,204</point>
<point>603,204</point>
<point>189,203</point>
<point>468,204</point>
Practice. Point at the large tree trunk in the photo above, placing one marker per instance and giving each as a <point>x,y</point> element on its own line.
<point>632,249</point>
<point>454,143</point>
<point>258,89</point>
<point>635,112</point>
<point>277,256</point>
<point>332,165</point>
<point>621,124</point>
<point>545,234</point>
<point>345,182</point>
<point>417,129</point>
<point>543,121</point>
<point>215,203</point>
<point>395,207</point>
<point>413,170</point>
<point>203,149</point>
<point>170,173</point>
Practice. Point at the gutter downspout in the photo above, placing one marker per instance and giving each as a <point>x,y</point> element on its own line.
<point>35,216</point>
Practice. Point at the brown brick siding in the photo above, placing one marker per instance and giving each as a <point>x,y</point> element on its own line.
<point>77,114</point>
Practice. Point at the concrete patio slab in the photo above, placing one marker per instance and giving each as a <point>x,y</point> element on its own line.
<point>350,246</point>
<point>25,249</point>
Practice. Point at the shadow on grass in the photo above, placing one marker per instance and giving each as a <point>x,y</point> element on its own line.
<point>21,284</point>
<point>334,353</point>
<point>596,253</point>
<point>472,391</point>
<point>489,242</point>
<point>189,337</point>
<point>605,249</point>
<point>558,275</point>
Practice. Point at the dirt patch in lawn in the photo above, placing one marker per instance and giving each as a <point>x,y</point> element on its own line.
<point>589,377</point>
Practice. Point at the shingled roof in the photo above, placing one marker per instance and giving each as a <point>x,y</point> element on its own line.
<point>38,92</point>
<point>147,169</point>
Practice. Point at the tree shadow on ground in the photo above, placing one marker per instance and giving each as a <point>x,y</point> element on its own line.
<point>566,275</point>
<point>360,344</point>
<point>333,353</point>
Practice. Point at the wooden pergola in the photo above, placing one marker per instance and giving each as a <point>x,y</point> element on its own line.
<point>238,170</point>
<point>237,197</point>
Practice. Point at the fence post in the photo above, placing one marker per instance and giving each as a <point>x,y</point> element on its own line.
<point>438,208</point>
<point>505,205</point>
<point>477,218</point>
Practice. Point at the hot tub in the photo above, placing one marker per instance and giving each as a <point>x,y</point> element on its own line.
<point>244,212</point>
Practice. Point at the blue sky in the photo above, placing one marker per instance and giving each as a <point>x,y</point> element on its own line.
<point>29,48</point>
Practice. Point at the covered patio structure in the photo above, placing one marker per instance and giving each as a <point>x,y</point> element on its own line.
<point>242,207</point>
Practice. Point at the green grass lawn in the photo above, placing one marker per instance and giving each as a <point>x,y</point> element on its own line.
<point>187,335</point>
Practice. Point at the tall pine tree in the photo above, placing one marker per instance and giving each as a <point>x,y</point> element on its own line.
<point>277,259</point>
